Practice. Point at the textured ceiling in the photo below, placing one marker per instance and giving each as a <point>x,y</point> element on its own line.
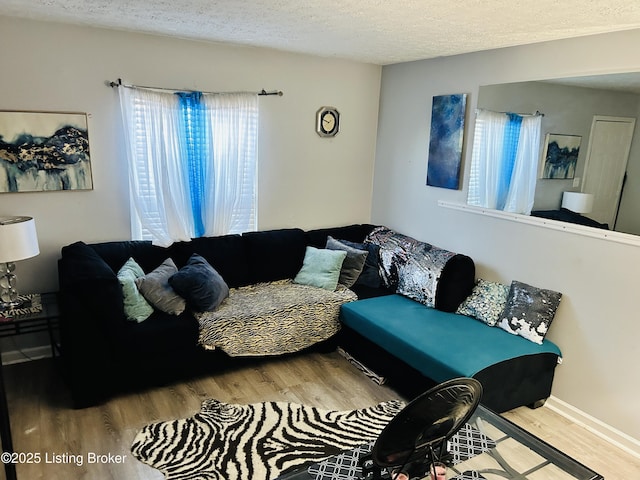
<point>373,31</point>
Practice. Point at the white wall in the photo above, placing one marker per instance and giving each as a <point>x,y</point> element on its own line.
<point>597,325</point>
<point>305,180</point>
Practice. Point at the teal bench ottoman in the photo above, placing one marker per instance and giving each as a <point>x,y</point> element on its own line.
<point>440,345</point>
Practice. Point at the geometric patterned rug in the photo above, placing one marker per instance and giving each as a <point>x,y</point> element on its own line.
<point>465,444</point>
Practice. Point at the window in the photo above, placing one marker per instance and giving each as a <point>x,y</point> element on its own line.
<point>192,163</point>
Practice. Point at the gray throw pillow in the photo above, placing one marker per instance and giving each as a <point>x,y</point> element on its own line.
<point>199,284</point>
<point>155,288</point>
<point>353,263</point>
<point>529,311</point>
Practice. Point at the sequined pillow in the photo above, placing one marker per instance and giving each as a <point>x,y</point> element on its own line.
<point>486,302</point>
<point>529,311</point>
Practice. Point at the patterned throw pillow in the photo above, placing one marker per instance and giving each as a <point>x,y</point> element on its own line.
<point>529,311</point>
<point>486,302</point>
<point>136,307</point>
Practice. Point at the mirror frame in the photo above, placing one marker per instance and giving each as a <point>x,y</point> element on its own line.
<point>608,235</point>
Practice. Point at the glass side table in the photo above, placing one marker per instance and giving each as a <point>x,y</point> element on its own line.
<point>33,320</point>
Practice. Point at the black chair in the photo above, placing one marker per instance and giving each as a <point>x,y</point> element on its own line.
<point>418,435</point>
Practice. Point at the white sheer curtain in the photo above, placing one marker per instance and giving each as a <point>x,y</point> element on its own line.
<point>486,167</point>
<point>504,167</point>
<point>525,171</point>
<point>158,190</point>
<point>163,195</point>
<point>231,189</point>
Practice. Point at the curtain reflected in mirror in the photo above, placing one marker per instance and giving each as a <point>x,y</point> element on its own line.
<point>601,110</point>
<point>504,162</point>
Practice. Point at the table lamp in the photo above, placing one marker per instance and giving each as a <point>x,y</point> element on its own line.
<point>577,201</point>
<point>18,241</point>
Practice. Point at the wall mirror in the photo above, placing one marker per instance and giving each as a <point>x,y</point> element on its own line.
<point>597,113</point>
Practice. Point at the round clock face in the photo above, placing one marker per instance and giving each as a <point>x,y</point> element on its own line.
<point>327,122</point>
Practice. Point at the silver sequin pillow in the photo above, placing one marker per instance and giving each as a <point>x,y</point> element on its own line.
<point>529,311</point>
<point>486,302</point>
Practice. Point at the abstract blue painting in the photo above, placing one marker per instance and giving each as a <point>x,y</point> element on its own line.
<point>44,151</point>
<point>447,135</point>
<point>561,155</point>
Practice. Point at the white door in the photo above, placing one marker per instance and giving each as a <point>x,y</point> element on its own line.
<point>607,156</point>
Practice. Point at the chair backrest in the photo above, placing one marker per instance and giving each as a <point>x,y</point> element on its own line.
<point>428,421</point>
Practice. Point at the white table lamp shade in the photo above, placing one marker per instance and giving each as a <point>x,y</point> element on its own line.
<point>577,201</point>
<point>18,239</point>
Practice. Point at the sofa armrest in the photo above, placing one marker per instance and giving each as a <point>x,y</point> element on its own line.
<point>86,280</point>
<point>91,305</point>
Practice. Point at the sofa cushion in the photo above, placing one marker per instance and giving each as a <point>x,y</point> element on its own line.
<point>161,334</point>
<point>82,262</point>
<point>529,311</point>
<point>438,344</point>
<point>274,254</point>
<point>199,284</point>
<point>353,233</point>
<point>321,268</point>
<point>115,254</point>
<point>423,272</point>
<point>225,253</point>
<point>155,288</point>
<point>353,263</point>
<point>136,307</point>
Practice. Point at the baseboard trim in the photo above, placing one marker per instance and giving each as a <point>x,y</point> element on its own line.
<point>26,354</point>
<point>595,426</point>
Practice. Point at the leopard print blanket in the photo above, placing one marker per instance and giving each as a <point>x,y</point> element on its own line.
<point>272,318</point>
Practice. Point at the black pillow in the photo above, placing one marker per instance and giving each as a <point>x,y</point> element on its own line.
<point>199,284</point>
<point>370,276</point>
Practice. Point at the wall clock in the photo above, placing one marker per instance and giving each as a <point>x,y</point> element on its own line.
<point>327,122</point>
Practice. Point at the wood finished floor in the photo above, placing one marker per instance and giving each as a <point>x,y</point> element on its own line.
<point>42,422</point>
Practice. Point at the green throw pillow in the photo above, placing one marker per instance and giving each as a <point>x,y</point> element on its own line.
<point>321,268</point>
<point>136,307</point>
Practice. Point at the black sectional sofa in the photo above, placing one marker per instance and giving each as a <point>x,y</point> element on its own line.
<point>103,353</point>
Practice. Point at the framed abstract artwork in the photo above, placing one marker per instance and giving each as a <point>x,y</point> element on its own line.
<point>445,145</point>
<point>560,156</point>
<point>44,151</point>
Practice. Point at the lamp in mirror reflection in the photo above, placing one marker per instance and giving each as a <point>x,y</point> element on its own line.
<point>18,241</point>
<point>577,202</point>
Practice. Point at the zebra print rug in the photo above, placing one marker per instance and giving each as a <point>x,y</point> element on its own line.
<point>257,441</point>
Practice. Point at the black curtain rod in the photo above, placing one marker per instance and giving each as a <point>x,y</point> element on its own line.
<point>119,83</point>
